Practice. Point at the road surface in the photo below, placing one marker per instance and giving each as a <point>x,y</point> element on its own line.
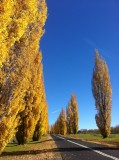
<point>73,149</point>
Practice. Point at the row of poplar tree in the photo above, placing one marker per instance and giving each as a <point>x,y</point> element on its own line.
<point>102,92</point>
<point>23,106</point>
<point>67,121</point>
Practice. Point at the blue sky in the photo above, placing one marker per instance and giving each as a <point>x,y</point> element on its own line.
<point>74,29</point>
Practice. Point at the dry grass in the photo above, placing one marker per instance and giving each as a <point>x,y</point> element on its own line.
<point>39,150</point>
<point>112,140</point>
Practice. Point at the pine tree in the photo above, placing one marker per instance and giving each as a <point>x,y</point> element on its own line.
<point>102,92</point>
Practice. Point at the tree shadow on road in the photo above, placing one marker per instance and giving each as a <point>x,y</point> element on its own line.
<point>34,152</point>
<point>36,142</point>
<point>59,149</point>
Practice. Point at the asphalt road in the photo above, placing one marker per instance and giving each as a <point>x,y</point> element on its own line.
<point>73,149</point>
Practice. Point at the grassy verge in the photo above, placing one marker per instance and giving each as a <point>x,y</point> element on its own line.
<point>112,140</point>
<point>39,150</point>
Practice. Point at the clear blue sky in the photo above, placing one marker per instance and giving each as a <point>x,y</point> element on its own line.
<point>74,29</point>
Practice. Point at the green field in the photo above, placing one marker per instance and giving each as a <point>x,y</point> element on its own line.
<point>113,139</point>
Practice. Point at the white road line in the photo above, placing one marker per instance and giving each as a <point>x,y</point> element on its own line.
<point>59,137</point>
<point>99,152</point>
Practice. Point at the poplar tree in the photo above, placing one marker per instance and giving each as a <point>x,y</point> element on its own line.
<point>41,127</point>
<point>72,115</point>
<point>29,116</point>
<point>63,127</point>
<point>69,117</point>
<point>67,122</point>
<point>20,32</point>
<point>75,117</point>
<point>102,92</point>
<point>60,125</point>
<point>55,128</point>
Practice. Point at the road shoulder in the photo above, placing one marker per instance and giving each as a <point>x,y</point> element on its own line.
<point>39,150</point>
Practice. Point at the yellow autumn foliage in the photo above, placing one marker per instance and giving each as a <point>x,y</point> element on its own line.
<point>67,122</point>
<point>102,92</point>
<point>41,127</point>
<point>75,114</point>
<point>60,126</point>
<point>21,24</point>
<point>15,18</point>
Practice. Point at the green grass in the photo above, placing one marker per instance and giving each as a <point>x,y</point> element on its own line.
<point>14,147</point>
<point>112,139</point>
